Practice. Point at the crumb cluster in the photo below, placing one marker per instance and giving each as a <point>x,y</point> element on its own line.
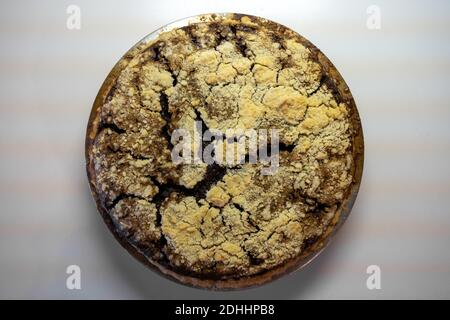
<point>217,220</point>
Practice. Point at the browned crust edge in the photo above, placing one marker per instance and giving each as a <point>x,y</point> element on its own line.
<point>262,278</point>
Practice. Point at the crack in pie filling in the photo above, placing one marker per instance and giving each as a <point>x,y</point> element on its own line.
<point>223,221</point>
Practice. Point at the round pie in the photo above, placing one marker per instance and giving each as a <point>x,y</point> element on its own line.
<point>224,224</point>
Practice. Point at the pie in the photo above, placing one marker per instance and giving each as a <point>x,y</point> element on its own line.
<point>224,225</point>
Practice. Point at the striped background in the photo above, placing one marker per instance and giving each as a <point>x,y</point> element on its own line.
<point>399,76</point>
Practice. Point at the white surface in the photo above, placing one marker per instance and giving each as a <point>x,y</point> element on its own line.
<point>399,76</point>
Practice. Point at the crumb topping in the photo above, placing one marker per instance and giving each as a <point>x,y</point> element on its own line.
<point>218,220</point>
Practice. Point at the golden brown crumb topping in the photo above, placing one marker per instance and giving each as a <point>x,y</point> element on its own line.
<point>220,220</point>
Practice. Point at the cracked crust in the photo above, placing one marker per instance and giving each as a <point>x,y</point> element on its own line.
<point>220,221</point>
